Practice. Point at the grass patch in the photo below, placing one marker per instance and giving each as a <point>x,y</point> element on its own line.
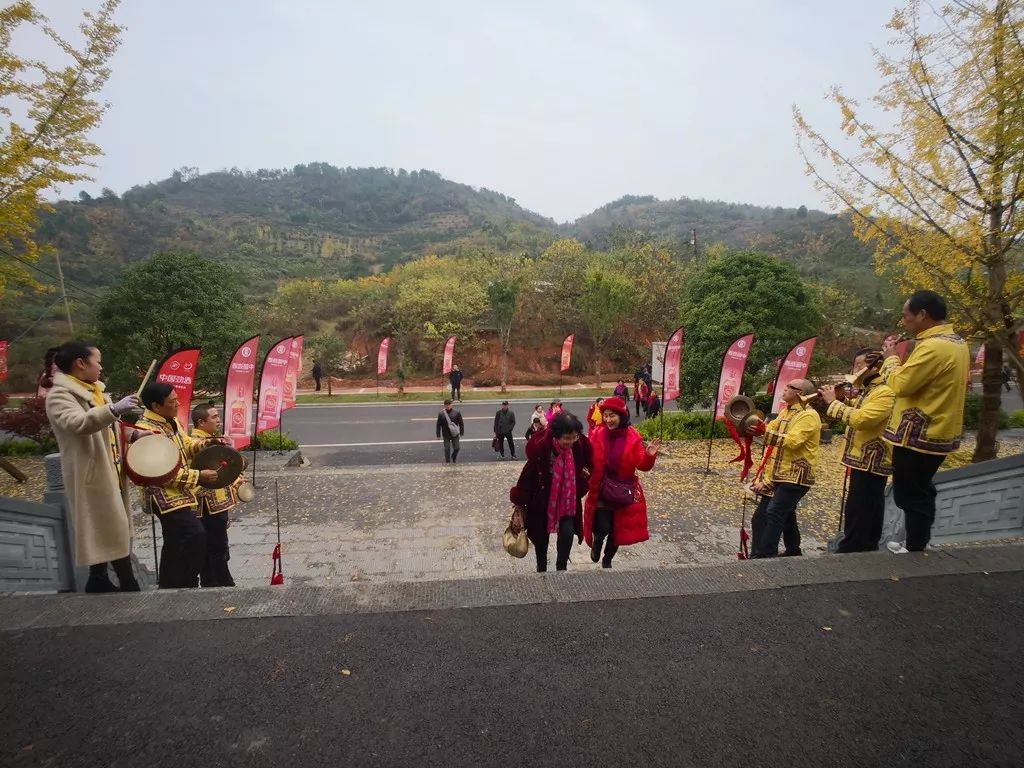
<point>543,396</point>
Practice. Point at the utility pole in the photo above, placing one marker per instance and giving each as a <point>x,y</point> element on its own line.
<point>64,293</point>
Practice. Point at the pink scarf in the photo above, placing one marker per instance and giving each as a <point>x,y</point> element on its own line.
<point>562,499</point>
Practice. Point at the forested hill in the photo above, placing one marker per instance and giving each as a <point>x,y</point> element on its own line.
<point>821,245</point>
<point>316,220</point>
<point>273,224</point>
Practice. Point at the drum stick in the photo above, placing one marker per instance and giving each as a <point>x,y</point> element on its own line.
<point>145,379</point>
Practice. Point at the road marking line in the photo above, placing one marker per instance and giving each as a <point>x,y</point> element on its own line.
<point>436,403</point>
<point>434,418</point>
<point>437,441</point>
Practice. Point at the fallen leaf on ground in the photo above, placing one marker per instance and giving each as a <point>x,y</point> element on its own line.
<point>229,609</point>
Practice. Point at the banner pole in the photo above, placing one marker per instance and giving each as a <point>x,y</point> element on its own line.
<point>255,424</point>
<point>559,383</point>
<point>378,384</point>
<point>152,522</point>
<point>661,413</point>
<point>711,433</point>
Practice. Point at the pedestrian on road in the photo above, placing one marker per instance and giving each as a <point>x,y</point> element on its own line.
<point>450,427</point>
<point>795,434</point>
<point>455,377</point>
<point>928,414</point>
<point>551,487</point>
<point>504,423</point>
<point>594,414</point>
<point>554,410</point>
<point>535,427</point>
<point>318,372</point>
<point>1007,377</point>
<point>621,391</point>
<point>616,511</point>
<point>82,417</point>
<point>641,394</point>
<point>867,457</point>
<point>653,404</point>
<point>538,413</point>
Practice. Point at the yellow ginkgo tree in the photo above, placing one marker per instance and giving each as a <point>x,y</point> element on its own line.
<point>48,111</point>
<point>938,190</point>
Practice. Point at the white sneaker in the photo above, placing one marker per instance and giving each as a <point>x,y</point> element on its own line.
<point>896,548</point>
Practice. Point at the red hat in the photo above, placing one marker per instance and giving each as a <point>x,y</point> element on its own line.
<point>615,405</point>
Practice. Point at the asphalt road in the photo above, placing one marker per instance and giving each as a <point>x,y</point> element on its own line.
<point>403,433</point>
<point>918,672</point>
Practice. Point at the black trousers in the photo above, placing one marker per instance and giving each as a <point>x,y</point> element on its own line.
<point>604,533</point>
<point>864,512</point>
<point>451,447</point>
<point>775,518</point>
<point>457,391</point>
<point>563,545</point>
<point>511,444</point>
<point>184,549</point>
<point>317,380</point>
<point>914,493</point>
<point>215,571</point>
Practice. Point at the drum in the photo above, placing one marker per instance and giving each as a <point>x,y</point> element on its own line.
<point>152,460</point>
<point>246,492</point>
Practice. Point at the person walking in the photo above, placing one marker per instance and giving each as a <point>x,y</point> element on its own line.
<point>615,514</point>
<point>927,418</point>
<point>867,457</point>
<point>653,404</point>
<point>450,427</point>
<point>82,417</point>
<point>455,378</point>
<point>538,413</point>
<point>594,417</point>
<point>554,410</point>
<point>642,394</point>
<point>794,436</point>
<point>504,424</point>
<point>534,428</point>
<point>551,487</point>
<point>621,391</point>
<point>318,373</point>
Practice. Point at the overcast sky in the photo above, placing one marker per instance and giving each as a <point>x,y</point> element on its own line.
<point>564,106</point>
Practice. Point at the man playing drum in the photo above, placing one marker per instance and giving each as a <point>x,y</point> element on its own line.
<point>184,550</point>
<point>215,504</point>
<point>82,415</point>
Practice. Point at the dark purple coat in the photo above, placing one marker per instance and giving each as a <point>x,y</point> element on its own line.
<point>534,485</point>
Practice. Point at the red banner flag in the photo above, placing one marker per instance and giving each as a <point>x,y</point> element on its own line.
<point>673,365</point>
<point>3,359</point>
<point>382,356</point>
<point>449,353</point>
<point>794,366</point>
<point>734,365</point>
<point>179,370</point>
<point>979,359</point>
<point>291,377</point>
<point>272,375</point>
<point>567,352</point>
<point>239,383</point>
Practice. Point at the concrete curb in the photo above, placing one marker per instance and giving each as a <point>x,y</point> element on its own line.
<point>19,612</point>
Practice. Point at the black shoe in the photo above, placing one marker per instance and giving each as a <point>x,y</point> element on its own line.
<point>595,550</point>
<point>606,563</point>
<point>560,567</point>
<point>130,586</point>
<point>794,553</point>
<point>99,584</point>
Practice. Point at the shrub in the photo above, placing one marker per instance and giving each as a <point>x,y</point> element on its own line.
<point>682,425</point>
<point>29,420</point>
<point>1017,419</point>
<point>972,412</point>
<point>275,441</point>
<point>20,447</point>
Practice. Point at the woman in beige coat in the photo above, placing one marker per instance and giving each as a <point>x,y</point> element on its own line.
<point>82,417</point>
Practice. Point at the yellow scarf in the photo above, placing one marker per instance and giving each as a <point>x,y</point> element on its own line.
<point>96,389</point>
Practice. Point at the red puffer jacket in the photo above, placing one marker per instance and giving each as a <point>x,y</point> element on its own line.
<point>630,523</point>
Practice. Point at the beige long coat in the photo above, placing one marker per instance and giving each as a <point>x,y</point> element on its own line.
<point>96,497</point>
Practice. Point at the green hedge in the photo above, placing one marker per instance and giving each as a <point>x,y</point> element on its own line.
<point>972,413</point>
<point>682,425</point>
<point>21,446</point>
<point>1017,419</point>
<point>275,441</point>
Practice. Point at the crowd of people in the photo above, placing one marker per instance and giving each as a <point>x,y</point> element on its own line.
<point>580,479</point>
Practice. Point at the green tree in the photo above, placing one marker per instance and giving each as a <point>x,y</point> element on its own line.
<point>936,189</point>
<point>503,297</point>
<point>740,293</point>
<point>173,300</point>
<point>53,110</point>
<point>606,305</point>
<point>329,350</point>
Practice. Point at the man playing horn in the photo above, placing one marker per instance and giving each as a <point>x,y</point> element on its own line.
<point>793,437</point>
<point>867,455</point>
<point>184,549</point>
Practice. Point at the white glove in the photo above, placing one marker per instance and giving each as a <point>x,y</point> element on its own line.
<point>124,404</point>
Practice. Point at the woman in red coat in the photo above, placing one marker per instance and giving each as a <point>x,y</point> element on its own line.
<point>551,487</point>
<point>609,519</point>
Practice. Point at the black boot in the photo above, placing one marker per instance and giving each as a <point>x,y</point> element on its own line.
<point>99,581</point>
<point>595,549</point>
<point>125,577</point>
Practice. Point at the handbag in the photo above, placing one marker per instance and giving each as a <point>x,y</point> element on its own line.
<point>618,493</point>
<point>494,444</point>
<point>516,543</point>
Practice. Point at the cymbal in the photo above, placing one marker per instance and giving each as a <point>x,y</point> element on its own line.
<point>227,462</point>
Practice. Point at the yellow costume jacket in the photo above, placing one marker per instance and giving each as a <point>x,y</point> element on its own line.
<point>930,389</point>
<point>795,433</point>
<point>214,500</point>
<point>180,491</point>
<point>866,420</point>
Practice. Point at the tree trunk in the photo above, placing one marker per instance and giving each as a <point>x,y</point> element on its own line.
<point>329,392</point>
<point>504,358</point>
<point>597,368</point>
<point>991,400</point>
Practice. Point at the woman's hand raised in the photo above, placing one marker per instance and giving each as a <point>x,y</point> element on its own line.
<point>654,447</point>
